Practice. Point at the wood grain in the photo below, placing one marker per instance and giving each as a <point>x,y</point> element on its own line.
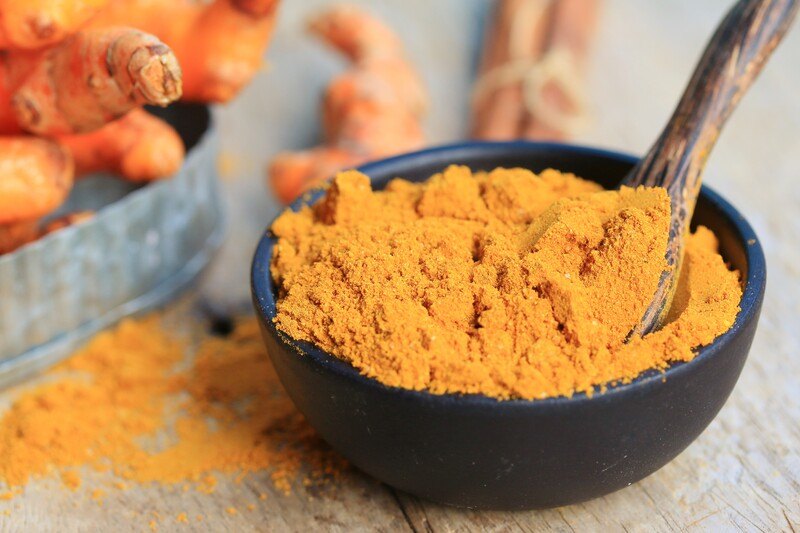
<point>733,58</point>
<point>742,474</point>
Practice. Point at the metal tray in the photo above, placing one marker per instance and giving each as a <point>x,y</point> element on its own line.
<point>142,247</point>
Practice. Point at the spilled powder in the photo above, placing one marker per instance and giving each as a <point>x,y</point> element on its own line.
<point>507,283</point>
<point>126,404</point>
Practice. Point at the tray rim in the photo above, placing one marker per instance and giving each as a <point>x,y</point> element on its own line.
<point>39,357</point>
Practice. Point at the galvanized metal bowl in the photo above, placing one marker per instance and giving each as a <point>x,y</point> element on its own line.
<point>142,246</point>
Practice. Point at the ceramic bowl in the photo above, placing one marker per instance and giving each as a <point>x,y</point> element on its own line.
<point>478,452</point>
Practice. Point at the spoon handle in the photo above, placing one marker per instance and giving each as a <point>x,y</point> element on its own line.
<point>731,61</point>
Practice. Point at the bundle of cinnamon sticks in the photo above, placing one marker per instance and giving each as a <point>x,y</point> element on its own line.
<point>531,78</point>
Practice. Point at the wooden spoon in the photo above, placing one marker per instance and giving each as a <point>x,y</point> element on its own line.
<point>731,61</point>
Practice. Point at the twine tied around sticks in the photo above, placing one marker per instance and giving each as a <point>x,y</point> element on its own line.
<point>557,66</point>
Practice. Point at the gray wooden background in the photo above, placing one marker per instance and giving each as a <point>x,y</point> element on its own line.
<point>743,473</point>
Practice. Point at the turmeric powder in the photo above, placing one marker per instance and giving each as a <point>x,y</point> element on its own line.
<point>506,283</point>
<point>108,406</point>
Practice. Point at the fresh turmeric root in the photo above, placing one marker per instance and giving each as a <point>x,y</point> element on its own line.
<point>64,221</point>
<point>291,173</point>
<point>256,8</point>
<point>373,110</point>
<point>139,147</point>
<point>31,24</point>
<point>219,45</point>
<point>372,48</point>
<point>18,234</point>
<point>362,114</point>
<point>35,178</point>
<point>85,81</point>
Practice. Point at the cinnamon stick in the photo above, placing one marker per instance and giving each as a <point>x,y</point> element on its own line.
<point>530,80</point>
<point>572,28</point>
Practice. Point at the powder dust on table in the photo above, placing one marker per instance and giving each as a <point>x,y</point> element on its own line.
<point>506,283</point>
<point>122,404</point>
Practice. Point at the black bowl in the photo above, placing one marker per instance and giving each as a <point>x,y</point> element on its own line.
<point>475,451</point>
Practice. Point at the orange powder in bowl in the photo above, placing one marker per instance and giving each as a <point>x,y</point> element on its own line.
<point>506,283</point>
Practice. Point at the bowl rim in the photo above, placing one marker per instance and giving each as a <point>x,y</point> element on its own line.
<point>265,302</point>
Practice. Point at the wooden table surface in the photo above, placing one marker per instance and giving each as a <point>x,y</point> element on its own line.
<point>743,473</point>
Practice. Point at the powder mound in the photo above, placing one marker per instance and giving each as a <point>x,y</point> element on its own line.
<point>126,404</point>
<point>506,283</point>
